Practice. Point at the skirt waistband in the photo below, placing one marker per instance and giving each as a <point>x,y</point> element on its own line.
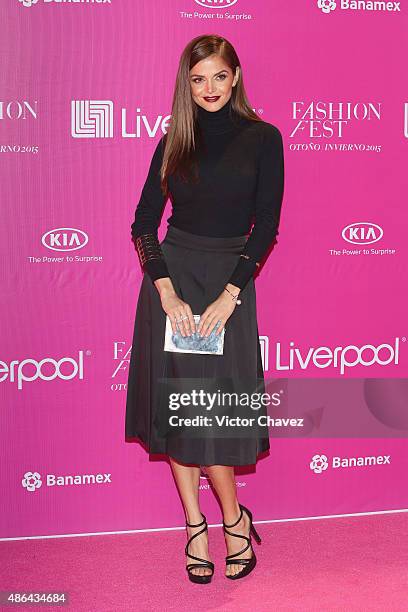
<point>227,244</point>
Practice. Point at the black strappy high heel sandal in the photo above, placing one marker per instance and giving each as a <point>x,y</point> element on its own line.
<point>249,564</point>
<point>203,562</point>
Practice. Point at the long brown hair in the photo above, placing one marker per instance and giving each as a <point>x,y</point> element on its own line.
<point>180,140</point>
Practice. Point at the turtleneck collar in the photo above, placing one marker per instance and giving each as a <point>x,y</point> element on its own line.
<point>219,121</point>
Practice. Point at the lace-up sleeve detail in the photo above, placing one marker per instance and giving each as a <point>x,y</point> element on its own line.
<point>148,248</point>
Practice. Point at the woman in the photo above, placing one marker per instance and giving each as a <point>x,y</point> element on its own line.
<point>221,166</point>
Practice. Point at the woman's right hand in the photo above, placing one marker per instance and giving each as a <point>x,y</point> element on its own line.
<point>177,309</point>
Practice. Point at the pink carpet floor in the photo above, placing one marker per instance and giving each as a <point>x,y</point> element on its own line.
<point>335,564</point>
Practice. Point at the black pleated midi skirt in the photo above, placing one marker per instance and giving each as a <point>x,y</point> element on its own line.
<point>199,267</point>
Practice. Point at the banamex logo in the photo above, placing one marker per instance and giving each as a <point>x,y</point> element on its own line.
<point>31,481</point>
<point>64,239</point>
<point>326,5</point>
<point>28,2</point>
<point>320,463</point>
<point>362,233</point>
<point>216,4</point>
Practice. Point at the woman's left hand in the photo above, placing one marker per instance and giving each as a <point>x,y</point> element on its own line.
<point>219,310</point>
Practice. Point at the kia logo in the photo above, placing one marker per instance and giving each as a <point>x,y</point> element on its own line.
<point>362,233</point>
<point>64,239</point>
<point>216,4</point>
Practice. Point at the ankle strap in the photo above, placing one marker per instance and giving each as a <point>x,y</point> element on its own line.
<point>198,524</point>
<point>236,522</point>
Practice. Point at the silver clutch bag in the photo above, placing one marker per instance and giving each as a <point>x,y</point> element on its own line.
<point>175,342</point>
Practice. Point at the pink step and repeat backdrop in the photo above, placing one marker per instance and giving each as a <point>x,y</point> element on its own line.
<point>86,88</point>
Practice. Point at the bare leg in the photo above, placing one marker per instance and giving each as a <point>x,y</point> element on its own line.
<point>187,479</point>
<point>222,478</point>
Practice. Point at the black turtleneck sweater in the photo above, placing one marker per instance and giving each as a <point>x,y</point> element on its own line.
<point>241,180</point>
